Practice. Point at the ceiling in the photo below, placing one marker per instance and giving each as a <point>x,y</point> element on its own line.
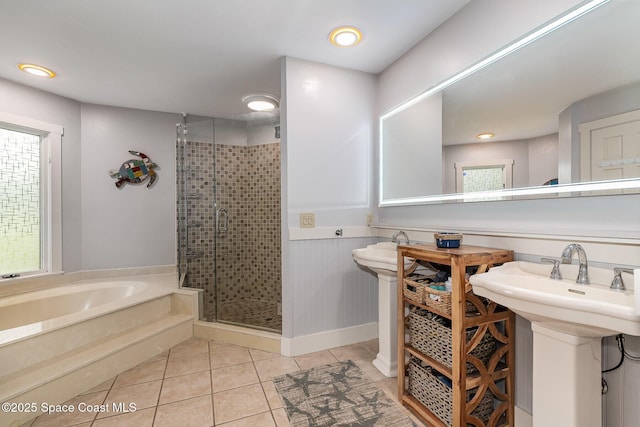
<point>198,56</point>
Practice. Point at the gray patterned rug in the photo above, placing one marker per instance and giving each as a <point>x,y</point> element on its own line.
<point>339,394</point>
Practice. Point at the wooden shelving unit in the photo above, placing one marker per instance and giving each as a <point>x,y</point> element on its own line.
<point>495,376</point>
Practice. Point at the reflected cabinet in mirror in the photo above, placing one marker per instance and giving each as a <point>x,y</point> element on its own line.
<point>559,115</point>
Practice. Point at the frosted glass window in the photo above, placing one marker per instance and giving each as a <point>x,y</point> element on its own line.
<point>483,179</point>
<point>483,176</point>
<point>20,206</point>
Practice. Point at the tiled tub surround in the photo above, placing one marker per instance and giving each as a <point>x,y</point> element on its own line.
<point>208,383</point>
<point>247,268</point>
<point>51,355</point>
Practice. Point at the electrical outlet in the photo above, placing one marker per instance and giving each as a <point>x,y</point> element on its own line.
<point>307,220</point>
<point>369,218</point>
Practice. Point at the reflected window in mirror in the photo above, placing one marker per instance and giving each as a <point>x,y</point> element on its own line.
<point>484,176</point>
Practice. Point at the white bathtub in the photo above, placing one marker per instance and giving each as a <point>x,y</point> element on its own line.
<point>36,312</point>
<point>65,339</point>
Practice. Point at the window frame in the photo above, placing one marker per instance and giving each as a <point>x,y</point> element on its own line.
<point>505,164</point>
<point>50,188</point>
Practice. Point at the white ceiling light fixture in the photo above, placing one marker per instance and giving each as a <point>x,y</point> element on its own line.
<point>37,70</point>
<point>486,135</point>
<point>346,36</point>
<point>261,102</point>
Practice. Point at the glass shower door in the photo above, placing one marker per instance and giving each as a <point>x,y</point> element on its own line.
<point>196,220</point>
<point>248,261</point>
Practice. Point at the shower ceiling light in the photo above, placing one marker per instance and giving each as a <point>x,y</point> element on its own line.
<point>261,102</point>
<point>37,70</point>
<point>345,36</point>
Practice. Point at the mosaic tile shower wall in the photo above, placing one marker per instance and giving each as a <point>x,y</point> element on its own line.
<point>248,255</point>
<point>247,271</point>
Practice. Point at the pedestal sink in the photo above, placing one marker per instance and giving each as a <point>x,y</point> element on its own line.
<point>382,258</point>
<point>568,321</point>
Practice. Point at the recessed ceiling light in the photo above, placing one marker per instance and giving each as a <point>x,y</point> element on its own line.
<point>261,102</point>
<point>37,70</point>
<point>345,36</point>
<point>486,135</point>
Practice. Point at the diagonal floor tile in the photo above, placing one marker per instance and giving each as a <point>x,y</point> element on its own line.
<point>183,365</point>
<point>233,377</point>
<point>143,418</point>
<point>318,358</point>
<point>185,387</point>
<point>239,403</point>
<point>195,412</point>
<point>269,368</point>
<point>144,372</point>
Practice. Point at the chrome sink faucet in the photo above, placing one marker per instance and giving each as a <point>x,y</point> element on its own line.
<point>567,255</point>
<point>396,236</point>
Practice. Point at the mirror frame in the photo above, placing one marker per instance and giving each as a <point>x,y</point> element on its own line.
<point>569,190</point>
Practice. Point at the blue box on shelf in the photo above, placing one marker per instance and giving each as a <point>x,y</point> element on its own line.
<point>448,240</point>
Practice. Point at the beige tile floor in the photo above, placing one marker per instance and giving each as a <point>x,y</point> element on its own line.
<point>204,383</point>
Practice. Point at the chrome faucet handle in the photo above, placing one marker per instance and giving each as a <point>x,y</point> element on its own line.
<point>396,237</point>
<point>567,255</point>
<point>555,271</point>
<point>617,284</point>
<point>583,275</point>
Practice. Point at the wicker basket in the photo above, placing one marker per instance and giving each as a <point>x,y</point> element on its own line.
<point>417,289</point>
<point>413,287</point>
<point>438,397</point>
<point>439,300</point>
<point>432,337</point>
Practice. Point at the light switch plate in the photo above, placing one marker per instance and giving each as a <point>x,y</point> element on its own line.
<point>307,220</point>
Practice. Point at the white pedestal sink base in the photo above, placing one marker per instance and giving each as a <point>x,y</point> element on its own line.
<point>566,379</point>
<point>387,359</point>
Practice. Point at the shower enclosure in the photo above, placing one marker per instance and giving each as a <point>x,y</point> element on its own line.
<point>228,211</point>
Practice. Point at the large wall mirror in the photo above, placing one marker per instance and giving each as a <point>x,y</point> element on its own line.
<point>564,112</point>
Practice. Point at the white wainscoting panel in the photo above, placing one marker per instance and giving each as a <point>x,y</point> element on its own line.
<point>328,290</point>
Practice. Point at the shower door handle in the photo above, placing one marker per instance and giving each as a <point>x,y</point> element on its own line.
<point>222,220</point>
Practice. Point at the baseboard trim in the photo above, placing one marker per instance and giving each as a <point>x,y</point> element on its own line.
<point>231,334</point>
<point>523,418</point>
<point>304,344</point>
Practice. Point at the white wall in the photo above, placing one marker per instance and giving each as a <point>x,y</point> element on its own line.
<point>238,132</point>
<point>413,142</point>
<point>327,144</point>
<point>543,159</point>
<point>261,134</point>
<point>134,225</point>
<point>330,142</point>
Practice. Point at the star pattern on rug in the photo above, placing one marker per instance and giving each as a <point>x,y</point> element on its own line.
<point>293,410</point>
<point>338,394</point>
<point>342,376</point>
<point>325,410</point>
<point>362,421</point>
<point>375,403</point>
<point>302,382</point>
